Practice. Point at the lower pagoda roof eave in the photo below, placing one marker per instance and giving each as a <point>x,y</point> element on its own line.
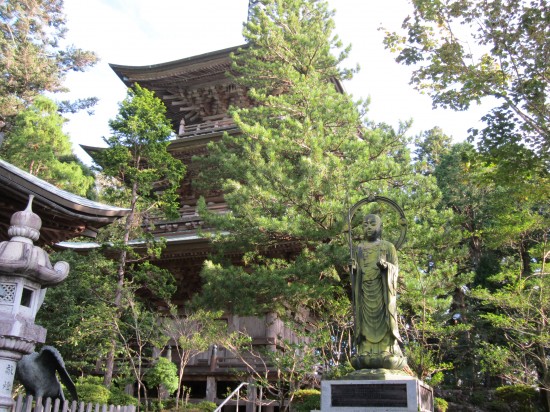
<point>69,202</point>
<point>173,240</point>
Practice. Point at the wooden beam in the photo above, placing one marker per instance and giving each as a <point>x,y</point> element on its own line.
<point>179,103</point>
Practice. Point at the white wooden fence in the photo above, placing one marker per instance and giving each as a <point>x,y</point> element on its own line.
<point>26,404</point>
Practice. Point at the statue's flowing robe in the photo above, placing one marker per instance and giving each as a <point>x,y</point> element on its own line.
<point>375,301</point>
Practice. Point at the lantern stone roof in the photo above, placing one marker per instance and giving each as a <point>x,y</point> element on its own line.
<point>64,215</point>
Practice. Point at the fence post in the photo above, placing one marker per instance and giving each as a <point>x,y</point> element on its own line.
<point>19,404</point>
<point>28,404</point>
<point>48,406</point>
<point>38,407</point>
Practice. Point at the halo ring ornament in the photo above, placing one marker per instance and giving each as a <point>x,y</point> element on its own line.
<point>381,199</point>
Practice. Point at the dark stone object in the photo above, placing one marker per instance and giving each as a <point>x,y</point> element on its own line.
<point>37,373</point>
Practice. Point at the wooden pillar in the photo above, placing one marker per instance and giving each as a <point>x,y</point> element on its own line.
<point>211,389</point>
<point>251,392</point>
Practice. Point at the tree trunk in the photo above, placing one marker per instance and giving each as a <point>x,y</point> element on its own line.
<point>110,364</point>
<point>525,258</point>
<point>121,273</point>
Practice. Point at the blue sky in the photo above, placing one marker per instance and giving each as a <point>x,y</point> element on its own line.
<point>142,32</point>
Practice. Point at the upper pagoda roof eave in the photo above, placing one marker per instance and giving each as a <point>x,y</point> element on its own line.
<point>122,71</point>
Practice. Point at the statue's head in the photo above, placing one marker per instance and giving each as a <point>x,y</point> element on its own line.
<point>372,225</point>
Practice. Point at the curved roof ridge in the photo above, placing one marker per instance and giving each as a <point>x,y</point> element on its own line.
<point>11,173</point>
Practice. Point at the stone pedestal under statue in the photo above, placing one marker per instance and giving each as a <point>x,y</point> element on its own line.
<point>376,390</point>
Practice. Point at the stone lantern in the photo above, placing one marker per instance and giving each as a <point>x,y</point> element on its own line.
<point>25,273</point>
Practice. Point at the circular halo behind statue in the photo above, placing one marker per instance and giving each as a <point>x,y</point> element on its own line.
<point>374,272</point>
<point>398,226</point>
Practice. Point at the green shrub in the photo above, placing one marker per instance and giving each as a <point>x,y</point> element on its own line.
<point>521,398</point>
<point>155,406</point>
<point>205,406</point>
<point>119,397</point>
<point>169,403</point>
<point>163,373</point>
<point>496,405</point>
<point>90,389</point>
<point>306,400</point>
<point>440,404</point>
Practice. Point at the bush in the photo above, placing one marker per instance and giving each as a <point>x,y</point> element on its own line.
<point>306,400</point>
<point>440,404</point>
<point>90,389</point>
<point>119,397</point>
<point>205,406</point>
<point>155,406</point>
<point>163,373</point>
<point>497,405</point>
<point>479,398</point>
<point>521,398</point>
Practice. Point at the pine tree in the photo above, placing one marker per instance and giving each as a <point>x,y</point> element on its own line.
<point>32,61</point>
<point>305,155</point>
<point>145,178</point>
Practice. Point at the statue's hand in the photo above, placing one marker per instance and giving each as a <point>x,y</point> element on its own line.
<point>382,264</point>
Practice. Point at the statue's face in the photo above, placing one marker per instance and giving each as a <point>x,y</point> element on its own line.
<point>372,226</point>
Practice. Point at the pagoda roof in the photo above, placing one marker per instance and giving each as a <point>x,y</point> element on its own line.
<point>188,67</point>
<point>196,88</point>
<point>64,215</point>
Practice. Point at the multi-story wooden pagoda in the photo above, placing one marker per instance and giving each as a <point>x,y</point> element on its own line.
<point>198,93</point>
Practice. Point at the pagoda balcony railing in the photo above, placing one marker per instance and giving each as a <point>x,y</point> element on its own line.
<point>206,128</point>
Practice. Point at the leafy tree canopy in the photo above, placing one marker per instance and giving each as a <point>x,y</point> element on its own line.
<point>465,51</point>
<point>136,154</point>
<point>144,177</point>
<point>36,143</point>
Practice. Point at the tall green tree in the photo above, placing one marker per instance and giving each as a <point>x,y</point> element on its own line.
<point>503,225</point>
<point>145,178</point>
<point>517,315</point>
<point>465,51</point>
<point>32,60</point>
<point>37,144</point>
<point>305,155</point>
